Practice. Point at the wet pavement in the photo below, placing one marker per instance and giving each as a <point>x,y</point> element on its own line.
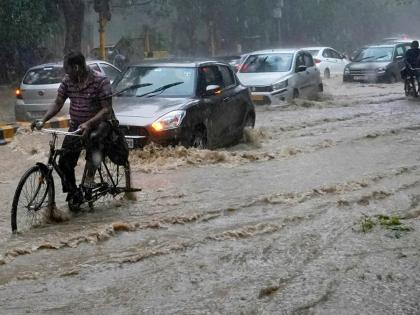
<point>274,225</point>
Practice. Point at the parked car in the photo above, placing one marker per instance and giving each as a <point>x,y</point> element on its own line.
<point>200,104</point>
<point>328,60</point>
<point>280,74</point>
<point>38,88</point>
<point>377,63</point>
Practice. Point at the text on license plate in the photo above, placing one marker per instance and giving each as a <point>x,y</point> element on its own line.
<point>257,97</point>
<point>130,143</point>
<point>359,77</point>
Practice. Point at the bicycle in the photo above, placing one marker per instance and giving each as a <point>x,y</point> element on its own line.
<point>35,193</point>
<point>411,83</point>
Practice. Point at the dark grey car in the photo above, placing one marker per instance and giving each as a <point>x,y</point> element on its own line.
<point>199,104</point>
<point>377,63</point>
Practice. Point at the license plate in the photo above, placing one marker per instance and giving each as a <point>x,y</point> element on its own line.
<point>257,97</point>
<point>359,77</point>
<point>130,143</point>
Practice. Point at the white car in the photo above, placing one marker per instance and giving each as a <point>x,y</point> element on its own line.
<point>39,86</point>
<point>280,75</point>
<point>328,60</point>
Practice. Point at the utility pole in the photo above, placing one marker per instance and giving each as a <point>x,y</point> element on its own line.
<point>277,14</point>
<point>104,15</point>
<point>212,39</point>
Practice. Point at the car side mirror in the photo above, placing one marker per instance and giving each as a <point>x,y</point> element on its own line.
<point>213,90</point>
<point>399,58</point>
<point>301,68</point>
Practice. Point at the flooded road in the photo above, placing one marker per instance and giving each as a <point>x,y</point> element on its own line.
<point>316,212</point>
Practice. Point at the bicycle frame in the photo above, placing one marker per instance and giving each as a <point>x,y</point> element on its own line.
<point>52,164</point>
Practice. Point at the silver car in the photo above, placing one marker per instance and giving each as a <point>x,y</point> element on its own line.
<point>280,74</point>
<point>38,88</point>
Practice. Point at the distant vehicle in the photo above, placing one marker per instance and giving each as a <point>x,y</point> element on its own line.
<point>233,60</point>
<point>279,75</point>
<point>196,104</point>
<point>38,88</point>
<point>328,60</point>
<point>377,63</point>
<point>397,38</point>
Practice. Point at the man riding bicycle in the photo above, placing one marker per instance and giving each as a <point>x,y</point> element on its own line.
<point>90,110</point>
<point>412,58</point>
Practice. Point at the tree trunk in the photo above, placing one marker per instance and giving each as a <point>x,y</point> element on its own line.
<point>73,11</point>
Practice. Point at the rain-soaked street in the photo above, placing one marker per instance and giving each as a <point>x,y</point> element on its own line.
<point>284,223</point>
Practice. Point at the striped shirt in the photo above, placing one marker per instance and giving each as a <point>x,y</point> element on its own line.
<point>85,100</point>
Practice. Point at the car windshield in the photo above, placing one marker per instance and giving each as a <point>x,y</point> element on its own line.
<point>314,52</point>
<point>158,77</point>
<point>281,62</point>
<point>370,54</point>
<point>46,75</point>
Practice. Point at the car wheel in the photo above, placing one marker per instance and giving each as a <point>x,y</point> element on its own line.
<point>392,78</point>
<point>249,121</point>
<point>327,74</point>
<point>295,93</point>
<point>199,138</point>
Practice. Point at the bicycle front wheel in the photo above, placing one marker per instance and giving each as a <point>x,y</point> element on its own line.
<point>31,207</point>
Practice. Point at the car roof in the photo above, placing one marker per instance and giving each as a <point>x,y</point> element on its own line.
<point>190,63</point>
<point>277,50</point>
<point>60,64</point>
<point>316,48</point>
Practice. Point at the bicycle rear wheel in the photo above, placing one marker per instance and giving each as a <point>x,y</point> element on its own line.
<point>29,207</point>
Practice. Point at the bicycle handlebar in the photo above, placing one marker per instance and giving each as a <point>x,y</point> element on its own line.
<point>75,133</point>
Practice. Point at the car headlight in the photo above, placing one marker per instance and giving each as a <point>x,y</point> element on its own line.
<point>280,85</point>
<point>346,70</point>
<point>171,120</point>
<point>381,70</point>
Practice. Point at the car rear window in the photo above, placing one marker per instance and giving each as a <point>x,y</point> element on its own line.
<point>46,75</point>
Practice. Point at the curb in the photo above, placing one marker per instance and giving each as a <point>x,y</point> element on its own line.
<point>7,132</point>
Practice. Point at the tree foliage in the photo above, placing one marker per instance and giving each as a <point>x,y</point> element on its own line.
<point>25,25</point>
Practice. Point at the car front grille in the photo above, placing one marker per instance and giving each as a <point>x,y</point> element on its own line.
<point>136,131</point>
<point>367,72</point>
<point>261,88</point>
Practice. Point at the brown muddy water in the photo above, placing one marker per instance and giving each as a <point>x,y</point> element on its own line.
<point>290,221</point>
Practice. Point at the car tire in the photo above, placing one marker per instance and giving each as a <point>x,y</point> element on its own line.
<point>199,138</point>
<point>327,74</point>
<point>295,93</point>
<point>392,78</point>
<point>249,121</point>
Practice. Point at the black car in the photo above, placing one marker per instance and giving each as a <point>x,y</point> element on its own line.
<point>377,63</point>
<point>200,104</point>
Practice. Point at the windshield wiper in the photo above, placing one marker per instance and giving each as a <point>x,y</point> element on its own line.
<point>380,57</point>
<point>132,87</point>
<point>161,89</point>
<point>368,57</point>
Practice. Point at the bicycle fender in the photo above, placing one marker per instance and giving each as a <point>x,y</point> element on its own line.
<point>43,167</point>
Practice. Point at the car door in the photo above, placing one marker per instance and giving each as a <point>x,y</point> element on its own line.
<point>234,113</point>
<point>339,62</point>
<point>329,61</point>
<point>312,75</point>
<point>210,111</point>
<point>398,62</point>
<point>301,78</point>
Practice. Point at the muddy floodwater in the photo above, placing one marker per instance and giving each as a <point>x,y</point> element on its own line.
<point>315,212</point>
